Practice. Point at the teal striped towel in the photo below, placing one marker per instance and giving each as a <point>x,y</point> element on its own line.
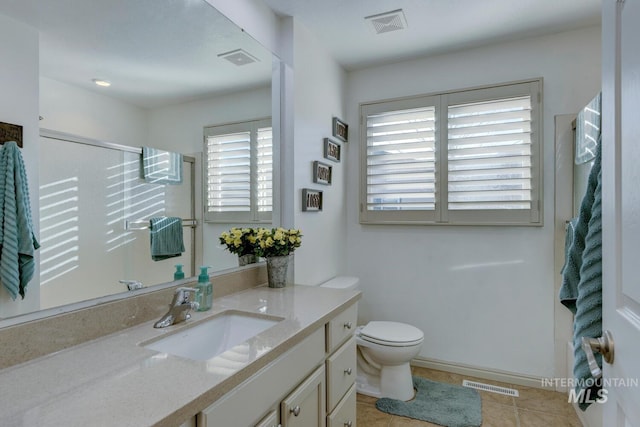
<point>161,167</point>
<point>17,240</point>
<point>166,237</point>
<point>581,290</point>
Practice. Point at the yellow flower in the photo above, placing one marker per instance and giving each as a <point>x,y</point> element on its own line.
<point>237,242</point>
<point>279,235</point>
<point>228,240</point>
<point>298,240</point>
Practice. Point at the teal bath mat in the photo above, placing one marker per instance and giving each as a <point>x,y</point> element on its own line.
<point>445,404</point>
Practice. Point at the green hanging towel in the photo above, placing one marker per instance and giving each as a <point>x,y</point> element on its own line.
<point>17,240</point>
<point>166,237</point>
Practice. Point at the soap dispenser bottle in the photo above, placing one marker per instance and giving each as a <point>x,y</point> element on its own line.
<point>204,294</point>
<point>179,274</point>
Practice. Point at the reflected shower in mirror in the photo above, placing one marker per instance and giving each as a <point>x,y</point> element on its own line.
<point>174,68</point>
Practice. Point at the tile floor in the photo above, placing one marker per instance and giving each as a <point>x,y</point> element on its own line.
<point>533,408</point>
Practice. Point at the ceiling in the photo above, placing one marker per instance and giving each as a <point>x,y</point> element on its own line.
<point>164,52</point>
<point>153,52</point>
<point>434,26</point>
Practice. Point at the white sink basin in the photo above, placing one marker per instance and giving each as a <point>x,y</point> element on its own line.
<point>212,337</point>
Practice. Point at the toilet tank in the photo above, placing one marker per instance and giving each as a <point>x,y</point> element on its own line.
<point>342,282</point>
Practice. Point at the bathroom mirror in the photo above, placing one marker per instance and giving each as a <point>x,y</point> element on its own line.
<point>174,67</point>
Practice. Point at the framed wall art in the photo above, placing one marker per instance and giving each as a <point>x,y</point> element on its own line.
<point>332,150</point>
<point>322,173</point>
<point>10,132</point>
<point>340,130</point>
<point>311,200</point>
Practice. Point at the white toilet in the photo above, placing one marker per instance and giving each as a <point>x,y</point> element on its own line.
<point>384,352</point>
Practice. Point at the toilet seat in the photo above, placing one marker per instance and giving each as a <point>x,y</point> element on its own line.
<point>392,334</point>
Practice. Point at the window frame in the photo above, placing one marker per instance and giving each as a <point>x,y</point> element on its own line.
<point>442,215</point>
<point>236,217</point>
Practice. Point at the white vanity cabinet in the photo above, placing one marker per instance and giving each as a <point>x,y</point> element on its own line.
<point>311,385</point>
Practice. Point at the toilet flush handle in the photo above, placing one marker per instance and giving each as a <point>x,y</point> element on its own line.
<point>348,325</point>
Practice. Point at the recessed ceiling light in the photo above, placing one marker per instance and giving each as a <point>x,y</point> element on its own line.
<point>100,82</point>
<point>388,21</point>
<point>238,57</point>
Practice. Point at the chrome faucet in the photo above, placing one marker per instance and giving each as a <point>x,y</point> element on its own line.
<point>179,308</point>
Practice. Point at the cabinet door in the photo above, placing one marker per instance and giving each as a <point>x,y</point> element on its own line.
<point>305,406</point>
<point>271,420</point>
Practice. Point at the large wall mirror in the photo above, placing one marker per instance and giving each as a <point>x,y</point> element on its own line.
<point>174,67</point>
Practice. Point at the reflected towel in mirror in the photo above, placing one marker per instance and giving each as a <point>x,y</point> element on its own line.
<point>166,237</point>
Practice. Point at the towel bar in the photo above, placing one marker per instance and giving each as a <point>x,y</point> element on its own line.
<point>143,225</point>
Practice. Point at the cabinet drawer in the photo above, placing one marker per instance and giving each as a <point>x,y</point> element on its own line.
<point>345,413</point>
<point>341,372</point>
<point>304,407</point>
<point>341,327</point>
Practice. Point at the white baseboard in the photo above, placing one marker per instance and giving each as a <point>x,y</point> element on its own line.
<point>505,377</point>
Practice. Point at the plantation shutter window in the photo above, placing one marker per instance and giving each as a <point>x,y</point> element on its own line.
<point>238,170</point>
<point>489,152</point>
<point>265,169</point>
<point>229,173</point>
<point>464,157</point>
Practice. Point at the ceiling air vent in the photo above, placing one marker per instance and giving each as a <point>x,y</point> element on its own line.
<point>388,21</point>
<point>238,57</point>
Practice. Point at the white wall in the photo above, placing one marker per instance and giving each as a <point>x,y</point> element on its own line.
<point>180,128</point>
<point>319,85</point>
<point>19,105</point>
<point>70,109</point>
<point>483,296</point>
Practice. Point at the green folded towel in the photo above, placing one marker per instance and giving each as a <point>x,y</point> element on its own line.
<point>166,237</point>
<point>581,290</point>
<point>17,240</point>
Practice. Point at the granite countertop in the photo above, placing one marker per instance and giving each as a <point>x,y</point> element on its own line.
<point>114,381</point>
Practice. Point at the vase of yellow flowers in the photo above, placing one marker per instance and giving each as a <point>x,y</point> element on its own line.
<point>276,245</point>
<point>241,241</point>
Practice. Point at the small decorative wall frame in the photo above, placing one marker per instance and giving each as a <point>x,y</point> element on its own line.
<point>311,200</point>
<point>322,173</point>
<point>340,130</point>
<point>10,132</point>
<point>331,150</point>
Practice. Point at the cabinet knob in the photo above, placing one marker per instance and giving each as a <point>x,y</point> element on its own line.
<point>348,325</point>
<point>295,411</point>
<point>348,371</point>
<point>348,424</point>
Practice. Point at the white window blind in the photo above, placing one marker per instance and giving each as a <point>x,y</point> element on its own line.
<point>239,172</point>
<point>463,157</point>
<point>401,160</point>
<point>229,172</point>
<point>489,154</point>
<point>265,169</point>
